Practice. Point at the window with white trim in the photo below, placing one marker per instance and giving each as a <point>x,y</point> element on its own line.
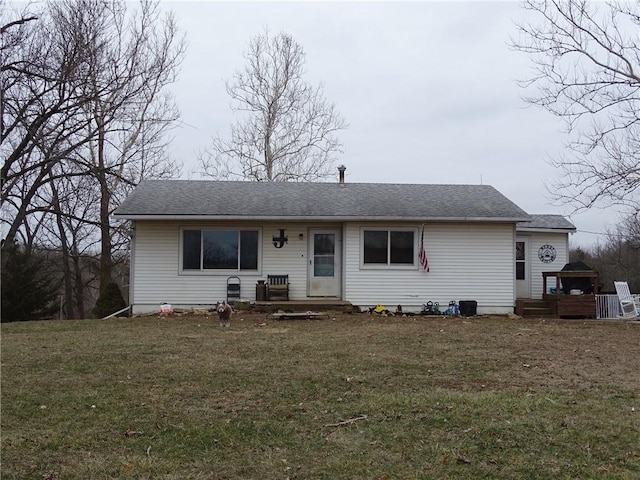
<point>220,249</point>
<point>381,247</point>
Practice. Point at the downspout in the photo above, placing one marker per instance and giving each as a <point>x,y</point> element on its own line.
<point>132,262</point>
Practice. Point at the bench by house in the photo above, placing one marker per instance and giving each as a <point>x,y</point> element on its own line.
<point>278,287</point>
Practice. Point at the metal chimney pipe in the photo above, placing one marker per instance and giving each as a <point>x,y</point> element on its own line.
<point>341,169</point>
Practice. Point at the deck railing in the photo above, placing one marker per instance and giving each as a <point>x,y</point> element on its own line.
<point>607,307</point>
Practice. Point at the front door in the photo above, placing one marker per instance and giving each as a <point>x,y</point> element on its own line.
<point>324,263</point>
<point>523,280</point>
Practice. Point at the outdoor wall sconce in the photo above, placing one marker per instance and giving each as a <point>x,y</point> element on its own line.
<point>301,236</point>
<point>279,242</point>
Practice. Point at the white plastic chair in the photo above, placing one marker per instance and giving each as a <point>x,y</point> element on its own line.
<point>629,307</point>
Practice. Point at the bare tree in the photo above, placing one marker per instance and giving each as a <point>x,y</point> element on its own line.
<point>42,99</point>
<point>617,257</point>
<point>131,58</point>
<point>286,130</point>
<point>630,227</point>
<point>70,229</point>
<point>84,95</point>
<point>587,72</point>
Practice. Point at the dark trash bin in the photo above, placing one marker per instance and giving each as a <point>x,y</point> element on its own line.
<point>261,291</point>
<point>468,308</point>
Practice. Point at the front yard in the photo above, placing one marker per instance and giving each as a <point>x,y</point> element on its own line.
<point>355,397</point>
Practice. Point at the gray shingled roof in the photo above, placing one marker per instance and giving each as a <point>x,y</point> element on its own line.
<point>199,199</point>
<point>547,222</point>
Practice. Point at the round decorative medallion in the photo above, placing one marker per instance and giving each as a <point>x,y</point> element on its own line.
<point>547,253</point>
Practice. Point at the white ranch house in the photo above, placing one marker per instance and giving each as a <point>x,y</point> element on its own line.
<point>356,242</point>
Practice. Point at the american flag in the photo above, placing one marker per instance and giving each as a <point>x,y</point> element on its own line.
<point>422,253</point>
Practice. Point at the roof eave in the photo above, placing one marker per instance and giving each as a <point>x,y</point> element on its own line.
<point>319,218</point>
<point>545,230</point>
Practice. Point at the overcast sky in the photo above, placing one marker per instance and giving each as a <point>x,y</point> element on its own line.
<point>429,90</point>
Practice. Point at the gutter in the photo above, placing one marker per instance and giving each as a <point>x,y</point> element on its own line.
<point>546,230</point>
<point>323,218</point>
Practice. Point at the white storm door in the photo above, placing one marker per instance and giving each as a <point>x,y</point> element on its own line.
<point>325,250</point>
<point>523,269</point>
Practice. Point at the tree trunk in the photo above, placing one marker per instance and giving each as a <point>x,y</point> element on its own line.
<point>64,251</point>
<point>79,284</point>
<point>105,196</point>
<point>22,213</point>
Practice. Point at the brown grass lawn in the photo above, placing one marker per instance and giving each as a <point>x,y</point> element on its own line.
<point>352,397</point>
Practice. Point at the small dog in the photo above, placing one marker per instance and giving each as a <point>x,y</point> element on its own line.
<point>224,312</point>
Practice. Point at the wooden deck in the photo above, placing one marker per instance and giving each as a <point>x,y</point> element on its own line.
<point>526,307</point>
<point>565,305</point>
<point>573,306</point>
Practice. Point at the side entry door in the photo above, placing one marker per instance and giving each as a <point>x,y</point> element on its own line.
<point>523,270</point>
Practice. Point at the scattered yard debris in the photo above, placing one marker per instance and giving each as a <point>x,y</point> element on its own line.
<point>380,310</point>
<point>345,422</point>
<point>166,309</point>
<point>297,315</point>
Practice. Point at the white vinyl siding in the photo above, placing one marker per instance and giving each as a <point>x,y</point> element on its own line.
<point>157,276</point>
<point>290,260</point>
<point>560,242</point>
<point>471,261</point>
<point>467,262</point>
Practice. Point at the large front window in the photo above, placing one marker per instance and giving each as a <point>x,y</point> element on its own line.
<point>220,249</point>
<point>388,247</point>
